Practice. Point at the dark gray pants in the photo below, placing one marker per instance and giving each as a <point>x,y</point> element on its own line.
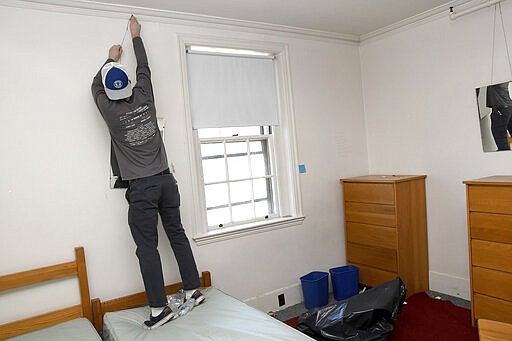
<point>148,197</point>
<point>501,123</point>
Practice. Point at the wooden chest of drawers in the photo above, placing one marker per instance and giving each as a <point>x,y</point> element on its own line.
<point>489,203</point>
<point>386,230</point>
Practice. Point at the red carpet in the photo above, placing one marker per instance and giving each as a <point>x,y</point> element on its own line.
<point>292,322</point>
<point>425,319</point>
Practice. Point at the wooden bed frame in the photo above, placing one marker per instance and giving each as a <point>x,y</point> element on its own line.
<point>26,278</point>
<point>135,300</point>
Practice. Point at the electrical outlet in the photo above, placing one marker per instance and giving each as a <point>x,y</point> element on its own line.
<point>280,299</point>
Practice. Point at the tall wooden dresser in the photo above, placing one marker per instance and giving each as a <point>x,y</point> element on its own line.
<point>489,203</point>
<point>386,229</point>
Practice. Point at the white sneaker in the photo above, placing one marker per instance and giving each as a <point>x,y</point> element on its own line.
<point>196,295</point>
<point>156,321</point>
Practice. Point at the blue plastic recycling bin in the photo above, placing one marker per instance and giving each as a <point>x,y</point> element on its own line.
<point>345,281</point>
<point>315,287</point>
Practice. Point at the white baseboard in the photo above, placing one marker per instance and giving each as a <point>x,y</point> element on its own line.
<point>440,282</point>
<point>269,301</point>
<point>450,285</point>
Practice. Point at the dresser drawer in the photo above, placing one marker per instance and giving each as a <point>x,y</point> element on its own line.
<point>373,214</point>
<point>491,255</point>
<point>492,227</point>
<point>492,199</point>
<point>371,235</point>
<point>377,257</point>
<point>372,277</point>
<point>492,283</point>
<point>369,192</point>
<point>492,308</point>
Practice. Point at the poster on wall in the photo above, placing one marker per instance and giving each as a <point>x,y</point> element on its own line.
<point>495,116</point>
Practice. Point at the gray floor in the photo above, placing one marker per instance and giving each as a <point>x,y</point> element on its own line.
<point>298,309</point>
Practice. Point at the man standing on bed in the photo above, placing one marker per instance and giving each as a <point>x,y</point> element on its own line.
<point>130,114</point>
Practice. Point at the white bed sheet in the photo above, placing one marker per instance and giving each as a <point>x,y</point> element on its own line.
<point>220,317</point>
<point>79,329</point>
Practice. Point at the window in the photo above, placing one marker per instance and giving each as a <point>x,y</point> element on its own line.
<point>242,140</point>
<point>238,175</point>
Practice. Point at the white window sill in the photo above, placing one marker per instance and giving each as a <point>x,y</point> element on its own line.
<point>245,230</point>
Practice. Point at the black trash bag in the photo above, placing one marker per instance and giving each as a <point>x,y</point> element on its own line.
<point>363,317</point>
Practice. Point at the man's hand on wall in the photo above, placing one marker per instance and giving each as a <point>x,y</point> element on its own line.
<point>134,27</point>
<point>115,52</point>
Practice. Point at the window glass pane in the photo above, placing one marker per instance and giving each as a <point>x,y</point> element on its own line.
<point>260,188</point>
<point>209,132</point>
<point>262,208</point>
<point>238,167</point>
<point>256,146</point>
<point>242,212</point>
<point>240,191</point>
<point>258,166</point>
<point>212,149</point>
<point>216,195</point>
<point>218,216</point>
<point>214,170</point>
<point>225,50</point>
<point>248,131</point>
<point>228,132</point>
<point>236,148</point>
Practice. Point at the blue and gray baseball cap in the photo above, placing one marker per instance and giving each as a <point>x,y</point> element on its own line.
<point>116,81</point>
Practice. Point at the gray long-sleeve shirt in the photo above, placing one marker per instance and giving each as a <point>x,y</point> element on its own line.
<point>498,96</point>
<point>132,122</point>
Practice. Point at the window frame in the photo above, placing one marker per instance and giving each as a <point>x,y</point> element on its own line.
<point>271,194</point>
<point>287,185</point>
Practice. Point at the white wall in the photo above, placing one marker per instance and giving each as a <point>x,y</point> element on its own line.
<point>54,192</point>
<point>422,118</point>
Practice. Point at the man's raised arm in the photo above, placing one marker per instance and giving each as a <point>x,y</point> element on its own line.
<point>143,71</point>
<point>98,91</point>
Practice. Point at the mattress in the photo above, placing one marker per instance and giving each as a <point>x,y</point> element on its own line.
<point>220,317</point>
<point>79,329</point>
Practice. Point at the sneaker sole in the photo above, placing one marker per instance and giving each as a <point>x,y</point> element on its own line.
<point>199,301</point>
<point>163,321</point>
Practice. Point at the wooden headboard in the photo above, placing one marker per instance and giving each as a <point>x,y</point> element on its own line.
<point>135,300</point>
<point>21,279</point>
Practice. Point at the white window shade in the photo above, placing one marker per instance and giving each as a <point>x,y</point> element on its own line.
<point>231,91</point>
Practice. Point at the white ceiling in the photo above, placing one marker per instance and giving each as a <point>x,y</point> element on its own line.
<point>353,17</point>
